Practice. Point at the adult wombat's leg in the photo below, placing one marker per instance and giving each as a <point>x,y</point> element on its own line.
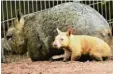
<point>37,50</point>
<point>2,55</point>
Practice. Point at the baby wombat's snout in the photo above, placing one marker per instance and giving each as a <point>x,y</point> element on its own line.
<point>57,44</point>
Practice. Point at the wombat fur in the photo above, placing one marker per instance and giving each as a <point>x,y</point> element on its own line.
<point>39,28</point>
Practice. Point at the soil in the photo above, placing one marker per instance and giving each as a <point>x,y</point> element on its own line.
<point>58,67</point>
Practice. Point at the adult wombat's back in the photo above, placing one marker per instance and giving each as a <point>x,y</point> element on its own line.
<point>40,27</point>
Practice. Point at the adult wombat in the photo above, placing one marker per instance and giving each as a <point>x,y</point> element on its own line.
<point>35,32</point>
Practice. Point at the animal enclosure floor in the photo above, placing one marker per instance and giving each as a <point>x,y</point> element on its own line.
<point>58,67</point>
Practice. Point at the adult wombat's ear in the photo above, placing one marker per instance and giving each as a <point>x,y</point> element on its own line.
<point>69,32</point>
<point>20,17</point>
<point>58,31</point>
<point>19,20</point>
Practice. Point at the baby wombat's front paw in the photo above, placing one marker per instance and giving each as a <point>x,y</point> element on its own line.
<point>64,60</point>
<point>56,58</point>
<point>51,59</point>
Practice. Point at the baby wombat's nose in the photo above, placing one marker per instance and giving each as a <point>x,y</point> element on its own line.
<point>54,45</point>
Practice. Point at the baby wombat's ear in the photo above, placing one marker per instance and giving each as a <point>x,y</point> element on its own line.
<point>69,32</point>
<point>58,31</point>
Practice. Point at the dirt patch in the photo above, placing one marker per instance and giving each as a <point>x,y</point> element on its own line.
<point>58,67</point>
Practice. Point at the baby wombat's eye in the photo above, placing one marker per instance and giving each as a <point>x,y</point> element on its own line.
<point>61,39</point>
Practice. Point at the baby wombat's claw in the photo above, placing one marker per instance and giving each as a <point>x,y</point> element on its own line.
<point>51,59</point>
<point>56,58</point>
<point>64,60</point>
